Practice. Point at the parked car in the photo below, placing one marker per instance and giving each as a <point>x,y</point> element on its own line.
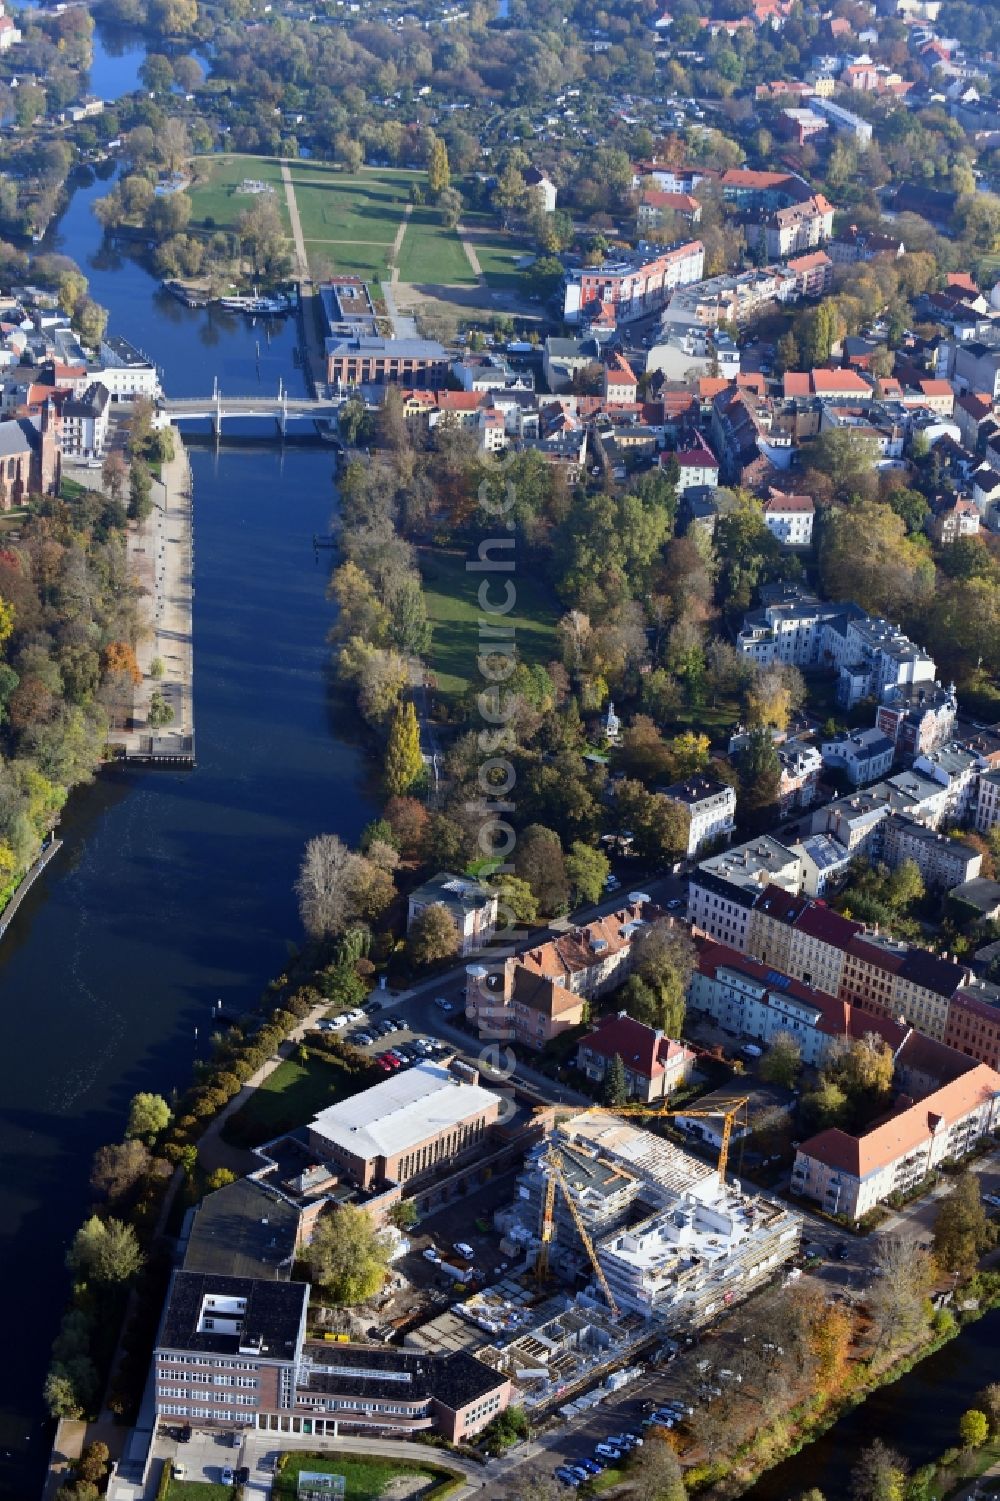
<point>566,1476</point>
<point>464,1249</point>
<point>178,1469</point>
<point>243,1475</point>
<point>445,1005</point>
<point>608,1451</point>
<point>227,1475</point>
<point>429,1253</point>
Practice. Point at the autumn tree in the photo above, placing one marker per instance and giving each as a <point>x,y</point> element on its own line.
<point>433,935</point>
<point>114,472</point>
<point>655,1471</point>
<point>120,657</point>
<point>105,1251</point>
<point>404,763</point>
<point>760,778</point>
<point>119,1167</point>
<point>148,1115</point>
<point>879,1474</point>
<point>962,1230</point>
<point>438,168</point>
<point>782,1060</point>
<point>897,1297</point>
<point>656,993</point>
<point>347,1257</point>
<point>973,1428</point>
<point>538,859</point>
<point>325,885</point>
<point>587,869</point>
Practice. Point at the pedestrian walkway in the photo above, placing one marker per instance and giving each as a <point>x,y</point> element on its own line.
<point>301,257</point>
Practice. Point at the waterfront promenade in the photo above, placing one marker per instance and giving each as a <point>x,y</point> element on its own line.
<point>161,555</point>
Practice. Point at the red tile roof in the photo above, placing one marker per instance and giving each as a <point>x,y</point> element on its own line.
<point>801,263</point>
<point>797,383</point>
<point>907,1129</point>
<point>778,503</point>
<point>641,1049</point>
<point>824,381</point>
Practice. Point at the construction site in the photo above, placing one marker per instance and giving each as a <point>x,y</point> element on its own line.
<point>616,1237</point>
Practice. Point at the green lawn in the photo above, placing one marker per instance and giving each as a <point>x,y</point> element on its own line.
<point>499,268</point>
<point>198,1490</point>
<point>450,593</point>
<point>287,1098</point>
<point>367,1479</point>
<point>367,207</point>
<point>431,253</point>
<point>215,200</point>
<point>368,261</point>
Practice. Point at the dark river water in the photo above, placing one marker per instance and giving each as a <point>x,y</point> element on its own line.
<point>173,889</point>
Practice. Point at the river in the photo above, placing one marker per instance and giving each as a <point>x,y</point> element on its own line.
<point>917,1415</point>
<point>172,889</point>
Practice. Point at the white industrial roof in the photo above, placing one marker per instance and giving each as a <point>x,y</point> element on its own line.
<point>401,1112</point>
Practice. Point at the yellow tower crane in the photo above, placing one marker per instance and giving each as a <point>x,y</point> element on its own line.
<point>556,1177</point>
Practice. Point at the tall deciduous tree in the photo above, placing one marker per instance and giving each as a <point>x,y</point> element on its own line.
<point>148,1115</point>
<point>433,935</point>
<point>403,762</point>
<point>962,1231</point>
<point>105,1251</point>
<point>324,886</point>
<point>538,859</point>
<point>587,869</point>
<point>347,1256</point>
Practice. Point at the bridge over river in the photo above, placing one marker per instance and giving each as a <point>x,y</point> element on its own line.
<point>281,409</point>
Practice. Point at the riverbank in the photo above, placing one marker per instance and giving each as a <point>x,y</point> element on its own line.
<point>161,555</point>
<point>30,877</point>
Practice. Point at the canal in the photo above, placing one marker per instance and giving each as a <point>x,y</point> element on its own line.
<point>917,1415</point>
<point>174,889</point>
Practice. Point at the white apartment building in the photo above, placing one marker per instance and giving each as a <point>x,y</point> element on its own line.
<point>863,756</point>
<point>711,810</point>
<point>789,518</point>
<point>84,427</point>
<point>127,373</point>
<point>722,890</point>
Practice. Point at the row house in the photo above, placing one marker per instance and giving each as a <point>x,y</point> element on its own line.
<point>723,890</point>
<point>943,862</point>
<point>863,756</point>
<point>917,718</point>
<point>807,940</point>
<point>759,1003</point>
<point>801,766</point>
<point>973,1025</point>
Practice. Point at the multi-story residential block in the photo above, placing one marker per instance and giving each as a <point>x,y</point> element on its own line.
<point>758,1002</point>
<point>710,806</point>
<point>723,889</point>
<point>634,285</point>
<point>917,718</point>
<point>825,863</point>
<point>409,1126</point>
<point>987,814</point>
<point>801,765</point>
<point>813,273</point>
<point>977,368</point>
<point>973,1024</point>
<point>228,1348</point>
<point>957,769</point>
<point>863,756</point>
<point>943,862</point>
<point>851,1175</point>
<point>83,430</point>
<point>655,205</point>
<point>654,1064</point>
<point>844,120</point>
<point>795,229</point>
<point>789,518</point>
<point>471,905</point>
<point>532,997</point>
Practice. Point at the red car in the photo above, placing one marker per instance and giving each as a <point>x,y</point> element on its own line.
<point>384,1063</point>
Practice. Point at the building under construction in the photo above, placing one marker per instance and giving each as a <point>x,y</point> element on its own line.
<point>672,1240</point>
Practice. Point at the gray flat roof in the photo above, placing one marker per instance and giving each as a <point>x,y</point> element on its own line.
<point>401,1112</point>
